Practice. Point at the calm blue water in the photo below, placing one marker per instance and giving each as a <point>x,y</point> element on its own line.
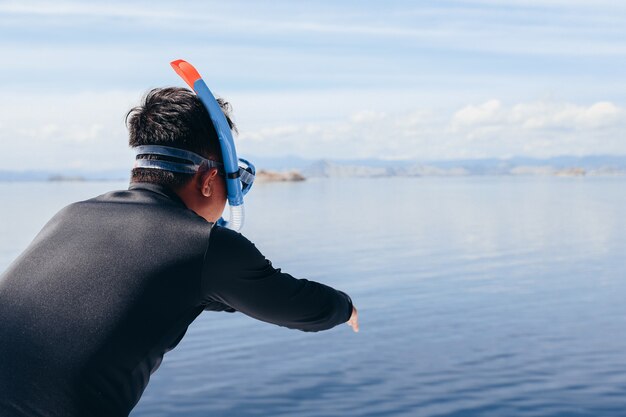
<point>477,297</point>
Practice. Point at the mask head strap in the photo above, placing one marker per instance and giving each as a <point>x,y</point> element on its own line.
<point>180,160</point>
<point>187,162</point>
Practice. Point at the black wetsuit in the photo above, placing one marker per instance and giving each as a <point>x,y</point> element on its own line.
<point>112,283</point>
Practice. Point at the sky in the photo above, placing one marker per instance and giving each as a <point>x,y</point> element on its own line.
<point>395,80</point>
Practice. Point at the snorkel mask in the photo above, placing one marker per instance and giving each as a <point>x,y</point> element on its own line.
<point>238,173</point>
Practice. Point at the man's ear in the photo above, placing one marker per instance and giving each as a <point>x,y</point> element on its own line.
<point>206,181</point>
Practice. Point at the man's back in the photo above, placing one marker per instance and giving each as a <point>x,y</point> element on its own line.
<point>88,310</point>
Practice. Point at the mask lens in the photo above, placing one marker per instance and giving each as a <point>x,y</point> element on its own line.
<point>246,175</point>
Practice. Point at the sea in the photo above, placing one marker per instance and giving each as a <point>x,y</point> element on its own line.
<point>477,296</point>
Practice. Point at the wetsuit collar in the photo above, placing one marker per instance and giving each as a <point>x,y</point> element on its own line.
<point>158,189</point>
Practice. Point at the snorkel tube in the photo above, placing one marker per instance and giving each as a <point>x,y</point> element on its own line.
<point>229,155</point>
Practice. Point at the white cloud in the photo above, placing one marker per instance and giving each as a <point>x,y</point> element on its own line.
<point>542,128</point>
<point>266,133</point>
<point>86,10</point>
<point>75,133</point>
<point>490,129</point>
<point>538,115</point>
<point>602,114</point>
<point>523,28</point>
<point>367,116</point>
<point>87,129</point>
<point>416,118</point>
<point>487,113</point>
<point>55,132</point>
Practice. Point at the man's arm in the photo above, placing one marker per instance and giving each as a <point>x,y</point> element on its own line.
<point>238,275</point>
<point>212,305</point>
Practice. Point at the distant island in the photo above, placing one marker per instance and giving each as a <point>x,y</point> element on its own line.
<point>288,169</point>
<point>279,176</point>
<point>66,178</point>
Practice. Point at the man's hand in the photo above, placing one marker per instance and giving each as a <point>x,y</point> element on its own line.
<point>354,320</point>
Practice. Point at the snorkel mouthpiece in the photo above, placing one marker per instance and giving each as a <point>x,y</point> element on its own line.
<point>238,179</point>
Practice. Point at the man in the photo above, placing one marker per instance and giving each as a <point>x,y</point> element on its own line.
<point>111,284</point>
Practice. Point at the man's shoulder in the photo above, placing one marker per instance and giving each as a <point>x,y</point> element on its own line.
<point>227,244</point>
<point>142,199</point>
<point>137,210</point>
<point>224,236</point>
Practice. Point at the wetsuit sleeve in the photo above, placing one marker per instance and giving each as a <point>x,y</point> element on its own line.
<point>212,305</point>
<point>237,275</point>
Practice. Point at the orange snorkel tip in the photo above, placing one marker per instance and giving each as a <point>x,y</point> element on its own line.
<point>186,71</point>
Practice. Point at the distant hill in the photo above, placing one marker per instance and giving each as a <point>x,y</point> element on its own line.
<point>68,175</point>
<point>562,166</point>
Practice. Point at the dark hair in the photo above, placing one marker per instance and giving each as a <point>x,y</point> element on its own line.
<point>173,117</point>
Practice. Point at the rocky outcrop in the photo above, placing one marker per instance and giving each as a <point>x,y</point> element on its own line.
<point>276,176</point>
